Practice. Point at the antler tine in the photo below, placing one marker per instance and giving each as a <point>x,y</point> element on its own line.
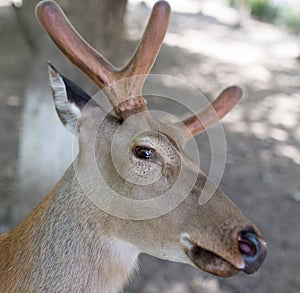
<point>213,113</point>
<point>145,54</point>
<point>142,60</point>
<point>73,45</point>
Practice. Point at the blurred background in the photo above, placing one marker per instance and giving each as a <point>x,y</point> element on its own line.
<point>210,44</point>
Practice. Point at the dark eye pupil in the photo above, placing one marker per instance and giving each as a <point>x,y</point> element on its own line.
<point>143,152</point>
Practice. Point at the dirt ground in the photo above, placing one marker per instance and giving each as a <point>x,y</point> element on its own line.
<point>263,138</point>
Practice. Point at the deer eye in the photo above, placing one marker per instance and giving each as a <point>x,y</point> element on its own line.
<point>144,152</point>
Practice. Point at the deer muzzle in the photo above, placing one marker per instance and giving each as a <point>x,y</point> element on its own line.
<point>253,251</point>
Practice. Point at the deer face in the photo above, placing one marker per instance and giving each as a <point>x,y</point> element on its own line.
<point>133,168</point>
<point>141,159</point>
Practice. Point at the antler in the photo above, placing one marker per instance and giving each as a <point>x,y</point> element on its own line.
<point>211,114</point>
<point>101,71</point>
<point>126,97</point>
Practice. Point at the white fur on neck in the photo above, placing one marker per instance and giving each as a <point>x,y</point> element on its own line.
<point>123,262</point>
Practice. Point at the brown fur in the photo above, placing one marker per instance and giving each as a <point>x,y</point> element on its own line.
<point>61,248</point>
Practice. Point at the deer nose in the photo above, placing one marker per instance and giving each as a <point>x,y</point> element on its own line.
<point>253,249</point>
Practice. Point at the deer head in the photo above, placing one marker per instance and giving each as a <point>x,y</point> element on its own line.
<point>140,158</point>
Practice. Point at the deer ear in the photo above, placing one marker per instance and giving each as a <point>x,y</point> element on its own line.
<point>69,99</point>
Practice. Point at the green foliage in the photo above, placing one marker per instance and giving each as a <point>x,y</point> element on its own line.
<point>289,18</point>
<point>284,16</point>
<point>264,11</point>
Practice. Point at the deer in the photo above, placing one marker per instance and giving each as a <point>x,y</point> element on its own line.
<point>74,242</point>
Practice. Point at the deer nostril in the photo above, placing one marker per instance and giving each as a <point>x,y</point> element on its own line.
<point>248,244</point>
<point>253,250</point>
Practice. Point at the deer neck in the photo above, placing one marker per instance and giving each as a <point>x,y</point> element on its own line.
<point>65,246</point>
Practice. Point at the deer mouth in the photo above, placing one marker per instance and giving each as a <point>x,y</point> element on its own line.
<point>207,260</point>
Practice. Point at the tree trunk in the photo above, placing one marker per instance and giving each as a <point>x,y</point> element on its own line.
<point>45,146</point>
